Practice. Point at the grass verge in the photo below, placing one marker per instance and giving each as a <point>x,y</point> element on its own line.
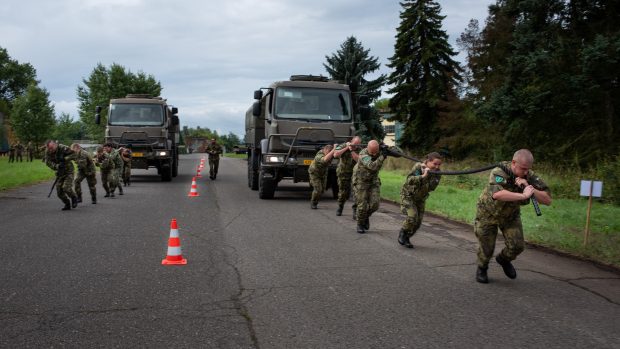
<point>17,174</point>
<point>561,227</point>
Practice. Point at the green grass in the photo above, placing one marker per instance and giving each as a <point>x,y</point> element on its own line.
<point>560,227</point>
<point>236,156</point>
<point>17,174</point>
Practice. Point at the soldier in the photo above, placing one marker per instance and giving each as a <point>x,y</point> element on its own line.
<point>30,151</point>
<point>413,195</point>
<point>117,173</point>
<point>105,163</point>
<point>347,153</point>
<point>214,150</point>
<point>12,152</point>
<point>510,185</point>
<point>19,151</point>
<point>126,157</point>
<point>318,173</point>
<point>86,169</point>
<point>58,157</point>
<point>367,184</point>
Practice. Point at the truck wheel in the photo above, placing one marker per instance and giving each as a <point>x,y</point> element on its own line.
<point>175,166</point>
<point>253,171</point>
<point>166,172</point>
<point>266,186</point>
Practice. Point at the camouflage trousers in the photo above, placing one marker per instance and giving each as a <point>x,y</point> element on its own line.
<point>486,232</point>
<point>318,187</point>
<point>118,177</point>
<point>91,179</point>
<point>344,187</point>
<point>64,188</point>
<point>414,211</point>
<point>214,164</point>
<point>126,173</point>
<point>367,198</point>
<point>109,180</point>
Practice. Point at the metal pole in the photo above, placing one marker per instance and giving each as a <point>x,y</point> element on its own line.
<point>587,232</point>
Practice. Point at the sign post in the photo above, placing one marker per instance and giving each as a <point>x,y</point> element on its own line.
<point>590,189</point>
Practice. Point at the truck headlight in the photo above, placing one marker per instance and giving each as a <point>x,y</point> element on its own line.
<point>274,158</point>
<point>162,153</point>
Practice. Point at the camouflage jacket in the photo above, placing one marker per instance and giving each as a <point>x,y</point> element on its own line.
<point>63,154</point>
<point>104,161</point>
<point>318,167</point>
<point>116,158</point>
<point>366,171</point>
<point>416,187</point>
<point>214,151</point>
<point>85,162</point>
<point>346,163</point>
<point>502,180</point>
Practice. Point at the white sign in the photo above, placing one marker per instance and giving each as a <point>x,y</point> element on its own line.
<point>597,188</point>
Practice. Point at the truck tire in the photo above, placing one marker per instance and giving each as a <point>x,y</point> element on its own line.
<point>166,171</point>
<point>266,186</point>
<point>253,171</point>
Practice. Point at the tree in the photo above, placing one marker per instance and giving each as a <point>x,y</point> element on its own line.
<point>350,65</point>
<point>66,130</point>
<point>104,84</point>
<point>32,115</point>
<point>230,140</point>
<point>424,72</point>
<point>14,77</point>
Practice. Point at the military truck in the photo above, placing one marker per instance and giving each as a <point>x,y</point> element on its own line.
<point>150,127</point>
<point>289,123</point>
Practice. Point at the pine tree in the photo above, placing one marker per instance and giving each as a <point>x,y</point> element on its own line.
<point>424,72</point>
<point>350,64</point>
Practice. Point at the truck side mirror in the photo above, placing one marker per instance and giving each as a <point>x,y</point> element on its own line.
<point>258,94</point>
<point>98,115</point>
<point>175,120</point>
<point>256,108</point>
<point>175,110</point>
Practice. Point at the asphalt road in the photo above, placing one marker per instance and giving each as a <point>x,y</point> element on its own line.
<point>274,274</point>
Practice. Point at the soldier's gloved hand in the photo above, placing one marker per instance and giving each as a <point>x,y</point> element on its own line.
<point>385,150</point>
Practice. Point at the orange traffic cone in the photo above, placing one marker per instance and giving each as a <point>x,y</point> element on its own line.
<point>174,255</point>
<point>198,175</point>
<point>193,191</point>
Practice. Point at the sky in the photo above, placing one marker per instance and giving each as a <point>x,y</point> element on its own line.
<point>209,55</point>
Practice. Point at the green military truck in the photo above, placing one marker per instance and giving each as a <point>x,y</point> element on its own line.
<point>288,123</point>
<point>150,127</point>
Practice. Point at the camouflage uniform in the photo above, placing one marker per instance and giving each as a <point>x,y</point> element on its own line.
<point>64,185</point>
<point>126,157</point>
<point>214,151</point>
<point>117,173</point>
<point>19,151</point>
<point>12,153</point>
<point>105,163</point>
<point>86,169</point>
<point>505,215</point>
<point>345,174</point>
<point>413,195</point>
<point>30,151</point>
<point>367,185</point>
<point>318,176</point>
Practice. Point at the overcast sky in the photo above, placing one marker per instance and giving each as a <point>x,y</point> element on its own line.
<point>208,55</point>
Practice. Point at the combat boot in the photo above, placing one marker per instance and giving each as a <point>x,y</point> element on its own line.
<point>313,205</point>
<point>79,199</point>
<point>107,194</point>
<point>339,210</point>
<point>67,206</point>
<point>360,229</point>
<point>367,223</point>
<point>94,200</point>
<point>354,213</point>
<point>509,270</point>
<point>74,202</point>
<point>120,190</point>
<point>112,194</point>
<point>403,239</point>
<point>481,275</point>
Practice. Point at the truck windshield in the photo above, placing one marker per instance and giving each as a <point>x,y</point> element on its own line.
<point>312,104</point>
<point>136,115</point>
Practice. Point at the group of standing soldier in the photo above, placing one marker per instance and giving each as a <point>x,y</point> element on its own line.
<point>115,164</point>
<point>510,185</point>
<point>16,152</point>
